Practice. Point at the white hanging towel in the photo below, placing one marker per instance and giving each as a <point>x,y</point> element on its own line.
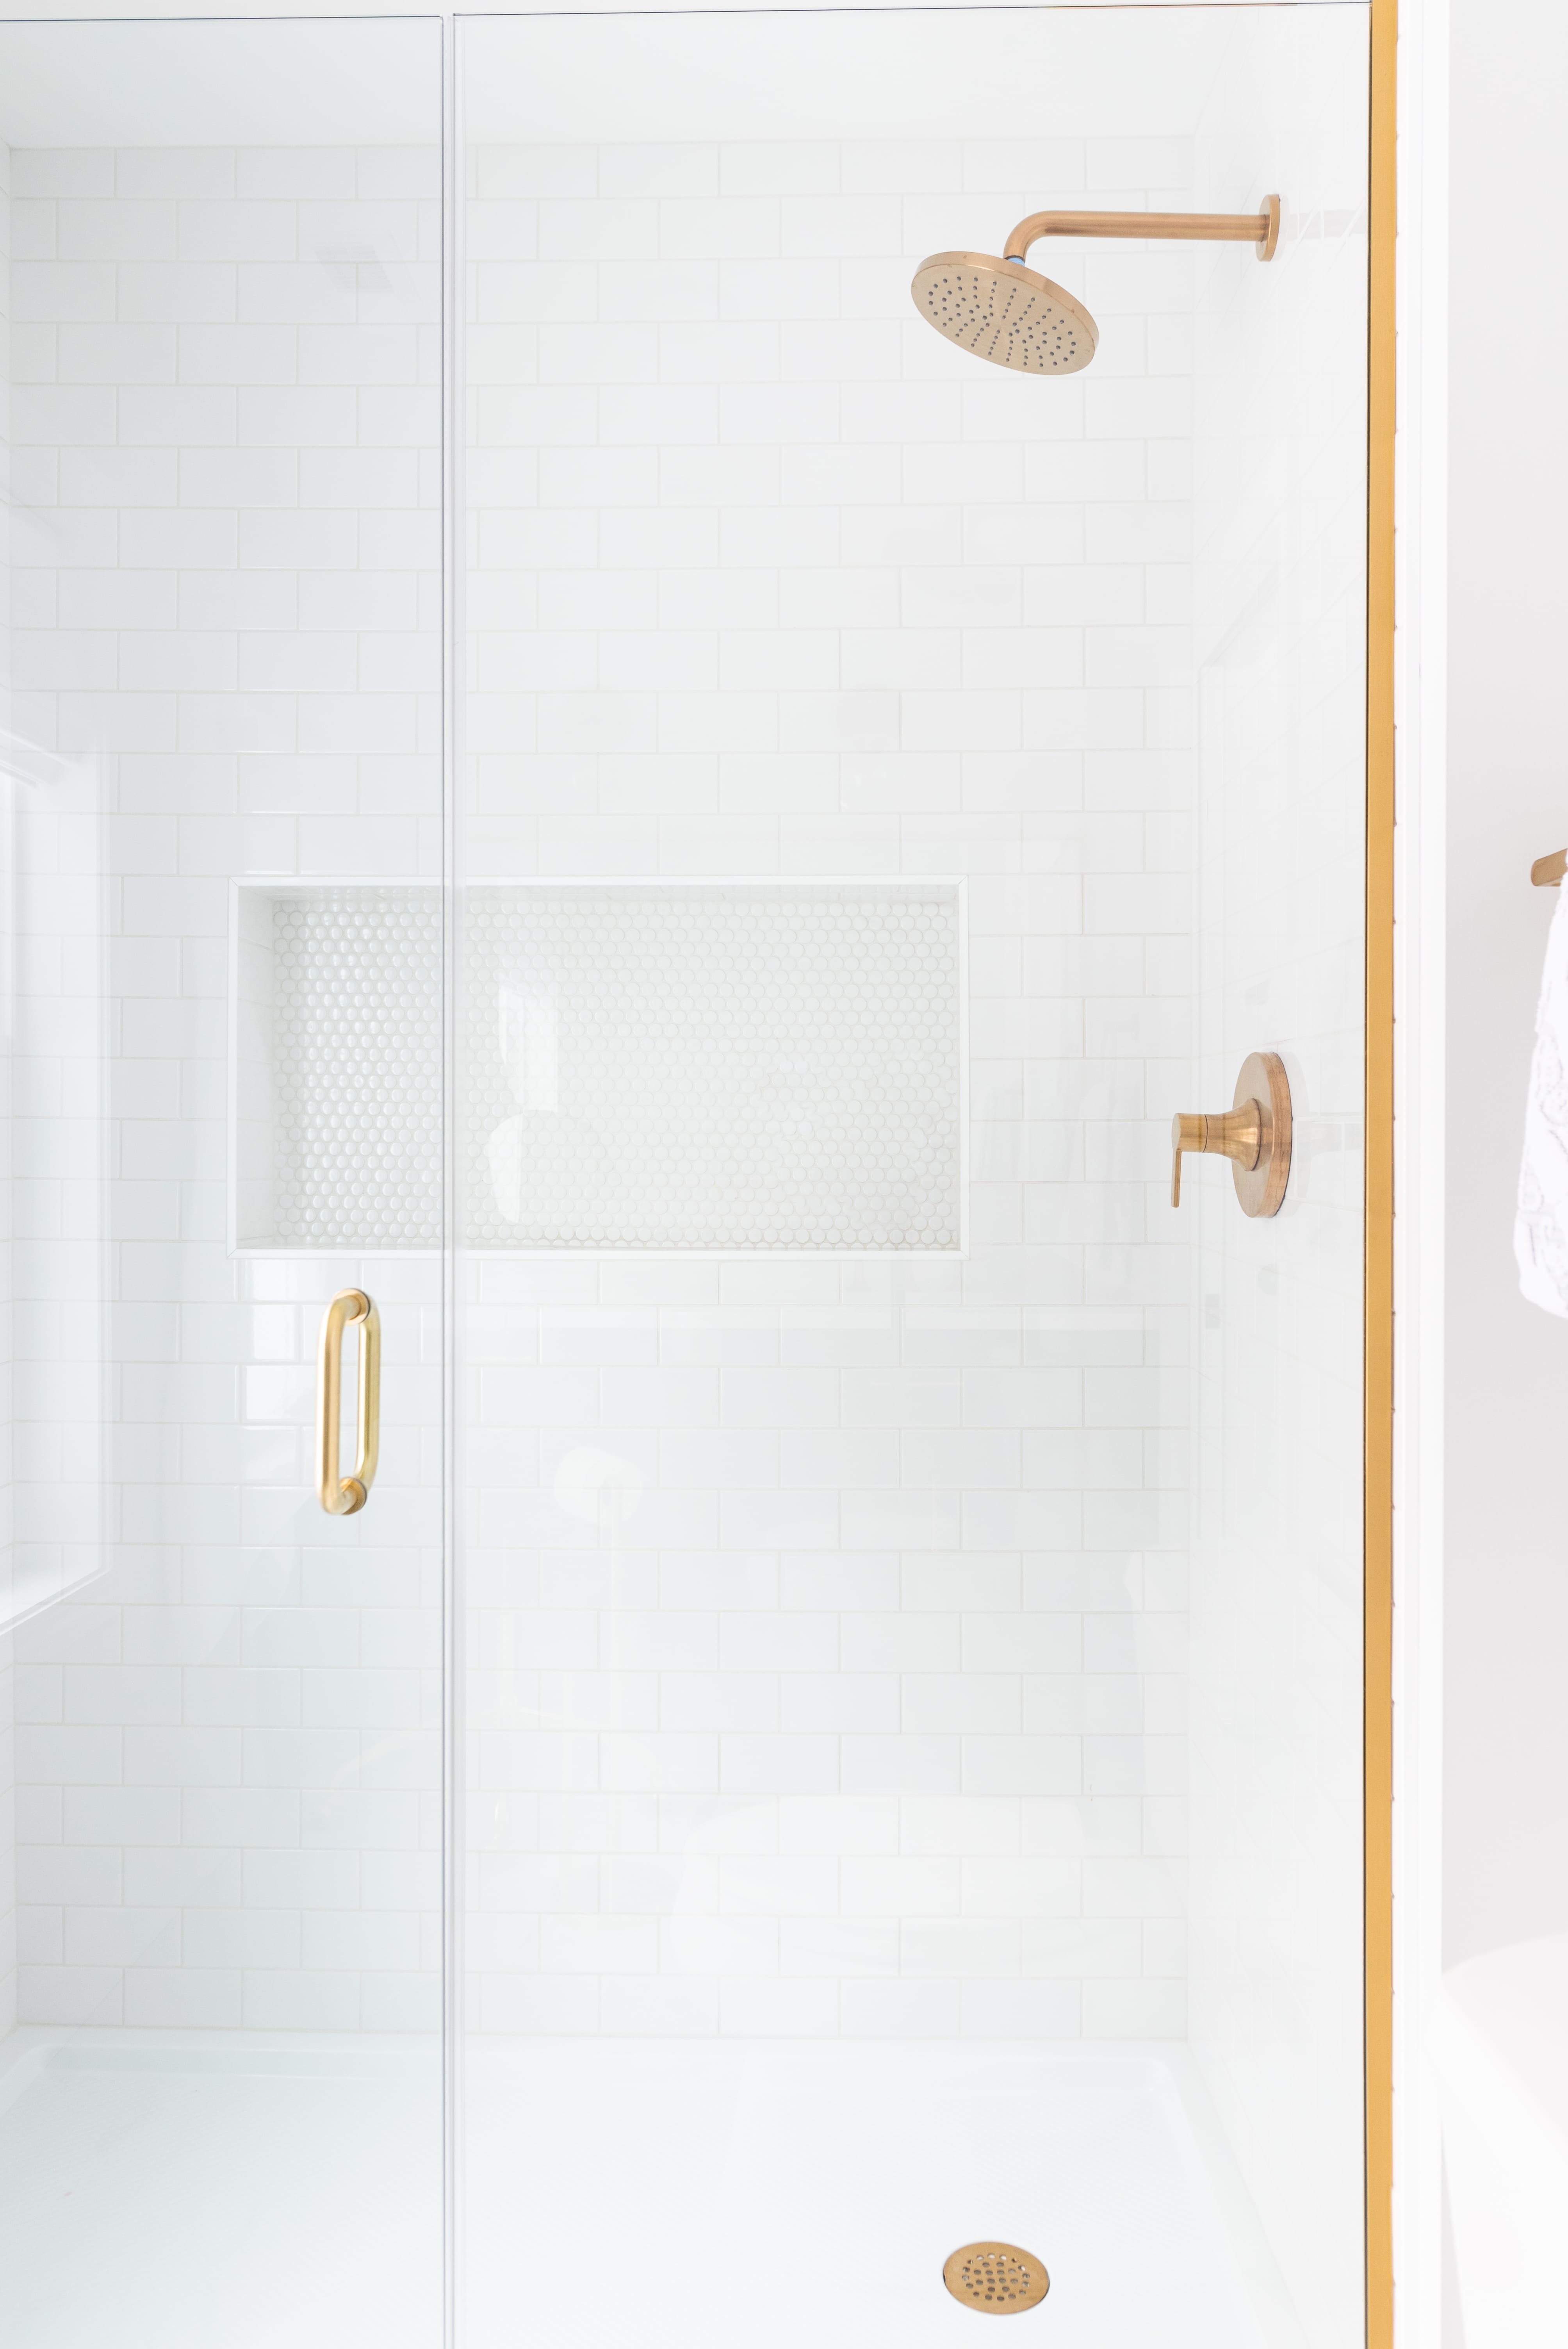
<point>1541,1225</point>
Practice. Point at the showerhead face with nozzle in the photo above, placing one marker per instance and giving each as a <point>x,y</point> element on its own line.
<point>1005,313</point>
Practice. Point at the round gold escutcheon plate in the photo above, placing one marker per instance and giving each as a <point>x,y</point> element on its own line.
<point>1262,1188</point>
<point>998,2279</point>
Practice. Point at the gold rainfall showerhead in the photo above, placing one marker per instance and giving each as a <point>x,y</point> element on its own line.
<point>1016,318</point>
<point>1005,313</point>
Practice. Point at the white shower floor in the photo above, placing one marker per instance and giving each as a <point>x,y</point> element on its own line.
<point>160,2192</point>
<point>686,2198</point>
<point>203,2191</point>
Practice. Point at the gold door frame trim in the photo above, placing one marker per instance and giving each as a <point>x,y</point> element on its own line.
<point>1377,1304</point>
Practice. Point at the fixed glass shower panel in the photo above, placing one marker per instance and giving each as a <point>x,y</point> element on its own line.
<point>220,2074</point>
<point>910,1722</point>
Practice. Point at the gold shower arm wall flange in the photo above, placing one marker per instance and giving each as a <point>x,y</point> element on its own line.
<point>340,1496</point>
<point>1260,229</point>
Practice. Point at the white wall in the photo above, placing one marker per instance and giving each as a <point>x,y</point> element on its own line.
<point>7,1800</point>
<point>1504,485</point>
<point>1506,1571</point>
<point>1505,1855</point>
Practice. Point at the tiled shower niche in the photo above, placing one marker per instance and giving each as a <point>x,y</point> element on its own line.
<point>335,1055</point>
<point>685,1067</point>
<point>670,1067</point>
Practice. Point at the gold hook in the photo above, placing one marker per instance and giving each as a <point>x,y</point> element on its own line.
<point>340,1496</point>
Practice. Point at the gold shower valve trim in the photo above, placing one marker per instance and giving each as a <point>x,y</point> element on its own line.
<point>1235,1133</point>
<point>1253,1134</point>
<point>340,1496</point>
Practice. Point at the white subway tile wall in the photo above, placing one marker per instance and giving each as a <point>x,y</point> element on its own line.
<point>227,650</point>
<point>825,1622</point>
<point>7,1740</point>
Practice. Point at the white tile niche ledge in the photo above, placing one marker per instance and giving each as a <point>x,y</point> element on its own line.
<point>664,1067</point>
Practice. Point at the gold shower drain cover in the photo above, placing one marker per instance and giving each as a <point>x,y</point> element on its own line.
<point>997,2279</point>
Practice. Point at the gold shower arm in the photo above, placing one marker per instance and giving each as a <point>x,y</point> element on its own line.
<point>1547,871</point>
<point>1260,229</point>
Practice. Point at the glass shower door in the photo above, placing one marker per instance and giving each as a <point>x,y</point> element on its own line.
<point>221,2110</point>
<point>907,1570</point>
<point>904,1664</point>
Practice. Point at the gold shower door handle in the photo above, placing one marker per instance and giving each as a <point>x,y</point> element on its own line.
<point>1253,1134</point>
<point>342,1495</point>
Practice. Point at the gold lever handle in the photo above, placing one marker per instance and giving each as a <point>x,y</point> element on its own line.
<point>1235,1133</point>
<point>342,1495</point>
<point>1253,1134</point>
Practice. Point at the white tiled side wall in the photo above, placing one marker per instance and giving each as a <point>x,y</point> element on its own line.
<point>1277,1699</point>
<point>227,595</point>
<point>8,1778</point>
<point>826,1622</point>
